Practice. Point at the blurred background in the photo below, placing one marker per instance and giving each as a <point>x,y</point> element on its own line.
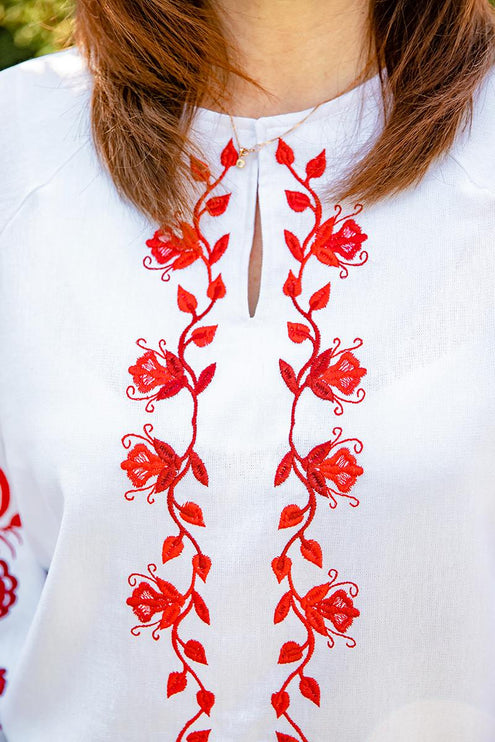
<point>29,28</point>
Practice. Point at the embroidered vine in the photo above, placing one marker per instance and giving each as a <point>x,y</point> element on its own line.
<point>152,464</point>
<point>330,469</point>
<point>9,536</point>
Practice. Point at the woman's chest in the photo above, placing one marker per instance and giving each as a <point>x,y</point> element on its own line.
<point>132,362</point>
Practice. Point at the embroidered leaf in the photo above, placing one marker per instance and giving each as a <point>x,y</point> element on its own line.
<point>288,375</point>
<point>325,255</point>
<point>311,550</point>
<point>281,566</point>
<point>324,233</point>
<point>200,736</point>
<point>321,362</point>
<point>316,593</point>
<point>291,515</point>
<point>297,201</point>
<point>205,699</point>
<point>320,298</point>
<point>298,332</point>
<point>205,377</point>
<point>174,365</point>
<point>199,170</point>
<point>187,258</point>
<point>316,621</point>
<point>171,388</point>
<point>284,154</point>
<point>290,652</point>
<point>293,244</point>
<point>192,513</point>
<point>169,615</point>
<point>201,564</point>
<point>292,286</point>
<point>201,607</point>
<point>186,302</point>
<point>202,336</point>
<point>164,451</point>
<point>281,737</point>
<point>169,590</point>
<point>216,289</point>
<point>198,468</point>
<point>172,547</point>
<point>320,388</point>
<point>195,651</point>
<point>219,248</point>
<point>229,155</point>
<point>317,454</point>
<point>280,702</point>
<point>316,167</point>
<point>282,608</point>
<point>165,478</point>
<point>310,689</point>
<point>176,683</point>
<point>284,468</point>
<point>317,481</point>
<point>216,206</point>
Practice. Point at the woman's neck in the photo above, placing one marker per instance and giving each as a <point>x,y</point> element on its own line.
<point>301,51</point>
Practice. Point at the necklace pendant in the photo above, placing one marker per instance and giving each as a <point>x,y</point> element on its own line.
<point>240,160</point>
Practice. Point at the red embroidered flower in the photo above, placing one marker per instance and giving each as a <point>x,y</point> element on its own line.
<point>338,608</point>
<point>146,602</point>
<point>343,375</point>
<point>329,468</point>
<point>346,242</point>
<point>143,464</point>
<point>3,681</point>
<point>8,584</point>
<point>173,250</point>
<point>148,373</point>
<point>342,469</point>
<point>152,465</point>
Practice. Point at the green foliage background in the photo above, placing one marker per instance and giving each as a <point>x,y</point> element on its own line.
<point>30,28</point>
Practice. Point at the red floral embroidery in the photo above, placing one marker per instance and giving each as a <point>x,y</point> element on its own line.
<point>9,534</point>
<point>152,464</point>
<point>329,469</point>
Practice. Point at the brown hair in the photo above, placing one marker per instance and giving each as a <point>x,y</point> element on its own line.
<point>154,60</point>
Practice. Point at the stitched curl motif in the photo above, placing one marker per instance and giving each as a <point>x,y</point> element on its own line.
<point>153,465</point>
<point>330,469</point>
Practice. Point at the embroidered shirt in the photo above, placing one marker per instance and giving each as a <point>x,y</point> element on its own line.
<point>225,528</point>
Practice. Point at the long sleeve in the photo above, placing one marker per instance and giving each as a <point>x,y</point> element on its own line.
<point>21,582</point>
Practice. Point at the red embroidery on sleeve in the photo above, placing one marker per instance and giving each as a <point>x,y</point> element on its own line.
<point>152,464</point>
<point>330,469</point>
<point>9,533</point>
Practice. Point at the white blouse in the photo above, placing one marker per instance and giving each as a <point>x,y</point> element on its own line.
<point>225,528</point>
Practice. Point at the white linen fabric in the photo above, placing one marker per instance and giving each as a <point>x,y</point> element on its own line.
<point>232,528</point>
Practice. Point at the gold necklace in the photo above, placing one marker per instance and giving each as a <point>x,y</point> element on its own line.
<point>243,151</point>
